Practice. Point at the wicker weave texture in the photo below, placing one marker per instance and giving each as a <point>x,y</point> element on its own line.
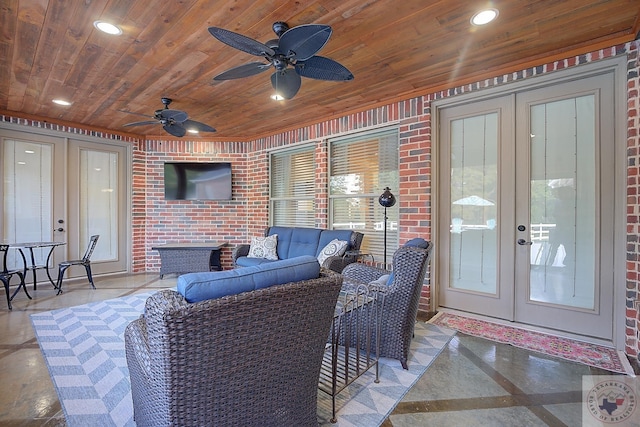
<point>241,360</point>
<point>400,302</point>
<point>184,260</point>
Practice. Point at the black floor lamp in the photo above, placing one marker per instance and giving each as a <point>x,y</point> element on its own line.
<point>387,200</point>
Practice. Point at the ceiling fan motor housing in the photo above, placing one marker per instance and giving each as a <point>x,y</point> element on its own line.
<point>280,28</point>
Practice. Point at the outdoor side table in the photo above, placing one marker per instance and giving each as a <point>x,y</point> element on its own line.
<point>189,257</point>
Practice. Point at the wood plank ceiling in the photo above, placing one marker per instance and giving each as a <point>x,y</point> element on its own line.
<point>395,49</point>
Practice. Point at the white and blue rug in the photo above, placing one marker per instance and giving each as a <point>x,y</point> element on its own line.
<point>83,347</point>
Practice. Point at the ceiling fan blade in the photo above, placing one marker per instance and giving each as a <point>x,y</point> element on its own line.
<point>176,115</point>
<point>147,122</point>
<point>321,68</point>
<point>197,126</point>
<point>286,83</point>
<point>241,42</point>
<point>175,129</point>
<point>245,70</point>
<point>304,41</point>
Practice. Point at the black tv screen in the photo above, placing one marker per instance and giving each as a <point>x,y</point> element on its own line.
<point>197,181</point>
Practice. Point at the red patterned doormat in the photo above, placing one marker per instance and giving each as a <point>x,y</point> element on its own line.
<point>565,348</point>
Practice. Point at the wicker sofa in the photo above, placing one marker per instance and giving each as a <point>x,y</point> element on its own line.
<point>296,241</point>
<point>401,289</point>
<point>245,359</point>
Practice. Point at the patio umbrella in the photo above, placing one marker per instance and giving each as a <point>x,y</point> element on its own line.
<point>473,201</point>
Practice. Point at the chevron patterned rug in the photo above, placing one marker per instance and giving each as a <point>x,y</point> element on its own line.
<point>83,347</point>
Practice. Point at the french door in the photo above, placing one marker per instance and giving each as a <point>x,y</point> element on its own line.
<point>527,196</point>
<point>63,189</point>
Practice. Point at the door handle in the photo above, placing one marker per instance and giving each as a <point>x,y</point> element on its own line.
<point>524,242</point>
<point>58,229</point>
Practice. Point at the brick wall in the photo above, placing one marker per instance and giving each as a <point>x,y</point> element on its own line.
<point>632,325</point>
<point>189,220</point>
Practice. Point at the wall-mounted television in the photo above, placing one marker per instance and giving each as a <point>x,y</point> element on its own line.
<point>197,181</point>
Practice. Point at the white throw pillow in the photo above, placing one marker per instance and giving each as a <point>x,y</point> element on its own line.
<point>264,247</point>
<point>334,247</point>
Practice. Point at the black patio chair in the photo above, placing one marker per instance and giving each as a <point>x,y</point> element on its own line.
<point>85,261</point>
<point>6,274</point>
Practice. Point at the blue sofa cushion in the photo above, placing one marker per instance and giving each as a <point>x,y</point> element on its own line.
<point>209,285</point>
<point>245,261</point>
<point>294,241</point>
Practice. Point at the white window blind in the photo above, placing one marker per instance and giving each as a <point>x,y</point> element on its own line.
<point>360,168</point>
<point>293,187</point>
<point>99,203</point>
<point>28,196</point>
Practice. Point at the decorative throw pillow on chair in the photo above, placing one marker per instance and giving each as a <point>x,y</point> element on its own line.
<point>335,247</point>
<point>382,280</point>
<point>264,247</point>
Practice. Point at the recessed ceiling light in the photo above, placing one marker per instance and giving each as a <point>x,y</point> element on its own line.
<point>484,17</point>
<point>107,27</point>
<point>277,97</point>
<point>61,102</point>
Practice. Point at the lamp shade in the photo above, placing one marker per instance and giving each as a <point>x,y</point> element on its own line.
<point>387,199</point>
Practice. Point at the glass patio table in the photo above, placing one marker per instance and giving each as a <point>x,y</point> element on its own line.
<point>31,264</point>
<point>349,352</point>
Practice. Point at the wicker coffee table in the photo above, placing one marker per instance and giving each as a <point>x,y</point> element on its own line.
<point>189,257</point>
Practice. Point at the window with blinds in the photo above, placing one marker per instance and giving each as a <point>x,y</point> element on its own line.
<point>360,168</point>
<point>293,187</point>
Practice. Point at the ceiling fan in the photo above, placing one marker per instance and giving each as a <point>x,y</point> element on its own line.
<point>175,122</point>
<point>292,54</point>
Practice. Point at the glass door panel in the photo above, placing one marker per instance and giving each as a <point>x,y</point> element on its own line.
<point>31,204</point>
<point>99,202</point>
<point>474,178</point>
<point>566,196</point>
<point>563,189</point>
<point>97,174</point>
<point>474,264</point>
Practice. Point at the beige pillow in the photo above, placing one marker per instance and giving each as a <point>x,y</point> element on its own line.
<point>264,247</point>
<point>335,247</point>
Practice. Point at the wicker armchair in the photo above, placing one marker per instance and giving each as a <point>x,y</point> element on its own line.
<point>400,299</point>
<point>243,360</point>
